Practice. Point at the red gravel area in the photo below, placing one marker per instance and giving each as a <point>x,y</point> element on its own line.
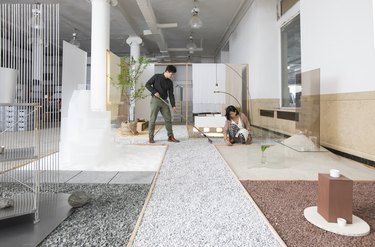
<point>283,202</point>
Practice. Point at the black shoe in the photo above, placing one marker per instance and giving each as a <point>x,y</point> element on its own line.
<point>172,139</point>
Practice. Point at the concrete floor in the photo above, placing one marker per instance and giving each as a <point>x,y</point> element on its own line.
<point>84,177</point>
<point>141,138</point>
<point>125,158</point>
<point>287,164</point>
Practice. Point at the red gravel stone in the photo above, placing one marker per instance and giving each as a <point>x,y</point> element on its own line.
<point>283,202</point>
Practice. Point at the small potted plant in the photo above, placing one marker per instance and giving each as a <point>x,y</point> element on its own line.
<point>263,159</point>
<point>130,89</point>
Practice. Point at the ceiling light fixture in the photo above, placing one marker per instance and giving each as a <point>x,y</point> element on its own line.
<point>74,40</point>
<point>195,22</point>
<point>191,46</point>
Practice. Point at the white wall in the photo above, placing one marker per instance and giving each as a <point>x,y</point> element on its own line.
<point>337,36</point>
<point>73,73</point>
<point>179,79</point>
<point>256,42</point>
<point>222,57</point>
<point>207,60</point>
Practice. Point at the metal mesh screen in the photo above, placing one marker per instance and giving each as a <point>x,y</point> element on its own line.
<point>30,125</point>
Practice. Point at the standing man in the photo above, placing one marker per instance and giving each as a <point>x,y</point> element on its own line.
<point>161,87</point>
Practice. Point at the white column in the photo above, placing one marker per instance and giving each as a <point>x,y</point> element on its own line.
<point>134,42</point>
<point>373,16</point>
<point>100,30</point>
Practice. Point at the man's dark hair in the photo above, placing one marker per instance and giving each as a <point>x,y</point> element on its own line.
<point>230,109</point>
<point>171,68</point>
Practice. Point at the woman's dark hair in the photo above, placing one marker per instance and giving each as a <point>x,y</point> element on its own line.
<point>230,109</point>
<point>171,68</point>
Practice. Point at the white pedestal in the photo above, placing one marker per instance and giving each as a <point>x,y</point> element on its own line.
<point>213,121</point>
<point>358,228</point>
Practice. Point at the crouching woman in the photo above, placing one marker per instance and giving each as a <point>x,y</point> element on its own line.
<point>237,127</point>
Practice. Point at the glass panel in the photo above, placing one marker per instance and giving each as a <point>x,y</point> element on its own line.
<point>291,63</point>
<point>307,138</point>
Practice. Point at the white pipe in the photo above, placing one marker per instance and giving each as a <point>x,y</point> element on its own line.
<point>149,15</point>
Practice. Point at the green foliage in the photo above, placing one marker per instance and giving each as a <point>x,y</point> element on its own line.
<point>264,147</point>
<point>127,79</point>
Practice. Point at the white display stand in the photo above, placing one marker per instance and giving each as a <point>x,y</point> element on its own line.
<point>85,134</point>
<point>8,84</point>
<point>210,121</point>
<point>358,227</point>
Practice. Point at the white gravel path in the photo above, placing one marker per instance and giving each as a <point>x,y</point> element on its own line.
<point>179,131</point>
<point>197,202</point>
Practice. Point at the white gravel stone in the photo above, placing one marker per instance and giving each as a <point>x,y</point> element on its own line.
<point>197,202</point>
<point>179,131</point>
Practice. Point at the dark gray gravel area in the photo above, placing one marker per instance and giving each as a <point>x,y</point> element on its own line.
<point>107,220</point>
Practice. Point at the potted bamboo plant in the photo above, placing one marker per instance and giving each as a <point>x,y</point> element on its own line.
<point>130,90</point>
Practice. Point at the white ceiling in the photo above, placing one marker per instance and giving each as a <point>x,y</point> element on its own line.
<point>127,19</point>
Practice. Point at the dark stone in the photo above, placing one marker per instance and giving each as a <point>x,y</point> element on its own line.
<point>78,199</point>
<point>6,203</point>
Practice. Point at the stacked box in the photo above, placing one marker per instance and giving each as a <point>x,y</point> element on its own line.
<point>25,120</point>
<point>9,118</point>
<point>2,118</point>
<point>9,126</point>
<point>14,118</point>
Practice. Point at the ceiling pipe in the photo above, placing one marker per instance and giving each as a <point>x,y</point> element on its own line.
<point>149,15</point>
<point>133,31</point>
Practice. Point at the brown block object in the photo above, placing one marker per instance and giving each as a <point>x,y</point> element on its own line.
<point>141,126</point>
<point>335,198</point>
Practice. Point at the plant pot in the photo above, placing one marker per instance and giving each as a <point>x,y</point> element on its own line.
<point>129,128</point>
